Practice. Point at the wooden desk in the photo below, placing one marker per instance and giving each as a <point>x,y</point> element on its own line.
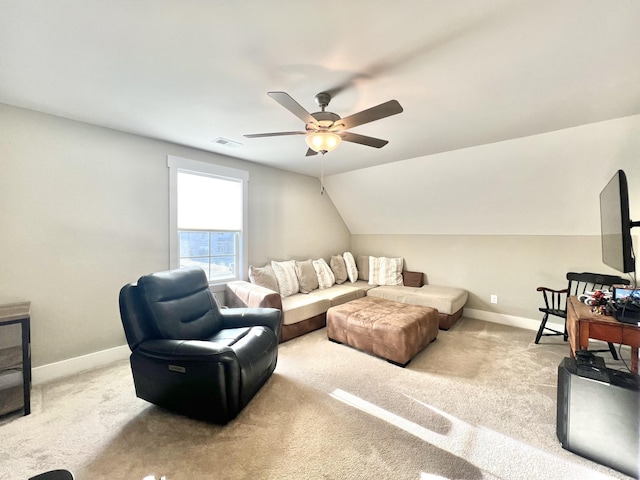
<point>582,324</point>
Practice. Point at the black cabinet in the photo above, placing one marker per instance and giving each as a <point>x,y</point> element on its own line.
<point>15,358</point>
<point>599,419</point>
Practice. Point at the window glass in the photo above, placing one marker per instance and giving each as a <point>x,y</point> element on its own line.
<point>208,218</point>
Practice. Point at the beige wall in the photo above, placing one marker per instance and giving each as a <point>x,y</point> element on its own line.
<point>510,266</point>
<point>84,210</point>
<point>545,184</point>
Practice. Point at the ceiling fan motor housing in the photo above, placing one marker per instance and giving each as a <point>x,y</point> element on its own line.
<point>325,120</point>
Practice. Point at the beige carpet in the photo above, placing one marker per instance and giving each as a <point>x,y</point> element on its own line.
<point>478,403</point>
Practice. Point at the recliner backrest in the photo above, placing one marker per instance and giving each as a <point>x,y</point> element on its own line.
<point>180,303</point>
<point>136,323</point>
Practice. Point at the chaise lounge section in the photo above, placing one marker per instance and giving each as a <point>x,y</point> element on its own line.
<point>448,301</point>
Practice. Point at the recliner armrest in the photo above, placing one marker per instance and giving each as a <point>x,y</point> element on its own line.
<point>250,317</point>
<point>186,350</point>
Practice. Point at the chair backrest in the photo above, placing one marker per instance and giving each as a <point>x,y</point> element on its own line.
<point>176,304</point>
<point>580,283</point>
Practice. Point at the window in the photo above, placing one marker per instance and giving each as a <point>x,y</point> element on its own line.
<point>208,218</point>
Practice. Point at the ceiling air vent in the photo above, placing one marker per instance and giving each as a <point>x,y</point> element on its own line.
<point>225,142</point>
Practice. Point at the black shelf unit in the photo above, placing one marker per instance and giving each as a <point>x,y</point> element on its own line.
<point>15,358</point>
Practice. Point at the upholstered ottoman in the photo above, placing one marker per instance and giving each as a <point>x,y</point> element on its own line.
<point>391,330</point>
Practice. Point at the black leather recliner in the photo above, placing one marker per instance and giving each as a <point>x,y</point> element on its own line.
<point>190,357</point>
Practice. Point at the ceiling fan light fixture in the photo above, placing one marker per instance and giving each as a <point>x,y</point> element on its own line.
<point>323,141</point>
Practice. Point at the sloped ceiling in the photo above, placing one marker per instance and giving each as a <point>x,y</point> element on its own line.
<point>467,73</point>
<point>546,184</point>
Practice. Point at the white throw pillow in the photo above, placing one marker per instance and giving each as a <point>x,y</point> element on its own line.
<point>325,275</point>
<point>286,275</point>
<point>385,271</point>
<point>350,263</point>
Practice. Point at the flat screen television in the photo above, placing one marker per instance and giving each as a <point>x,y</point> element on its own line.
<point>617,248</point>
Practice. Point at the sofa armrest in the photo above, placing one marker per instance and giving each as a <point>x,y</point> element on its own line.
<point>244,294</point>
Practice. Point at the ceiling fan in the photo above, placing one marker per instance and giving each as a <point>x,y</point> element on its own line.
<point>325,130</point>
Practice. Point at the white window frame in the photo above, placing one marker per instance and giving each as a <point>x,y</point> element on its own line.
<point>176,164</point>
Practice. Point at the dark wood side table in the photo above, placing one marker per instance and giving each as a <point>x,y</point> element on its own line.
<point>14,372</point>
<point>583,324</point>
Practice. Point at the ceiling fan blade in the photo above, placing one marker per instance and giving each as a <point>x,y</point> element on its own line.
<point>274,134</point>
<point>363,140</point>
<point>310,153</point>
<point>294,107</point>
<point>392,107</point>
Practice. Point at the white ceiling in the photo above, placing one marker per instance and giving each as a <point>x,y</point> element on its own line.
<point>466,72</point>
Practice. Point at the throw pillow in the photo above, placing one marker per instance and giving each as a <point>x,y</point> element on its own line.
<point>350,264</point>
<point>325,275</point>
<point>385,271</point>
<point>412,279</point>
<point>363,267</point>
<point>286,275</point>
<point>307,277</point>
<point>263,276</point>
<point>338,268</point>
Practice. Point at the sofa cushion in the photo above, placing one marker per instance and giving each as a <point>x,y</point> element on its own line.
<point>338,268</point>
<point>385,271</point>
<point>307,276</point>
<point>286,275</point>
<point>363,285</point>
<point>325,275</point>
<point>350,265</point>
<point>297,308</point>
<point>396,293</point>
<point>339,294</point>
<point>264,277</point>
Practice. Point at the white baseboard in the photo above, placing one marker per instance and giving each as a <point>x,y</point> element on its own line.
<point>64,368</point>
<point>511,320</point>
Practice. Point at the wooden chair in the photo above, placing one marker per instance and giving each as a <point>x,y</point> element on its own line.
<point>555,301</point>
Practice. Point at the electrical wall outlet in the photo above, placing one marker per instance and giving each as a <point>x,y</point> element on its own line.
<point>494,298</point>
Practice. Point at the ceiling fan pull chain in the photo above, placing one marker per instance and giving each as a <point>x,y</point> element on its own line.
<point>322,174</point>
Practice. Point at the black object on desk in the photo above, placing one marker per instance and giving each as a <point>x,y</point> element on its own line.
<point>591,366</point>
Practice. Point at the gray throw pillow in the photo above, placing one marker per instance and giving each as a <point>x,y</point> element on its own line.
<point>363,267</point>
<point>338,268</point>
<point>264,277</point>
<point>307,276</point>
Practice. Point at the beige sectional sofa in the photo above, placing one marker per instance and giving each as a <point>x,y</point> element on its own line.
<point>305,312</point>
